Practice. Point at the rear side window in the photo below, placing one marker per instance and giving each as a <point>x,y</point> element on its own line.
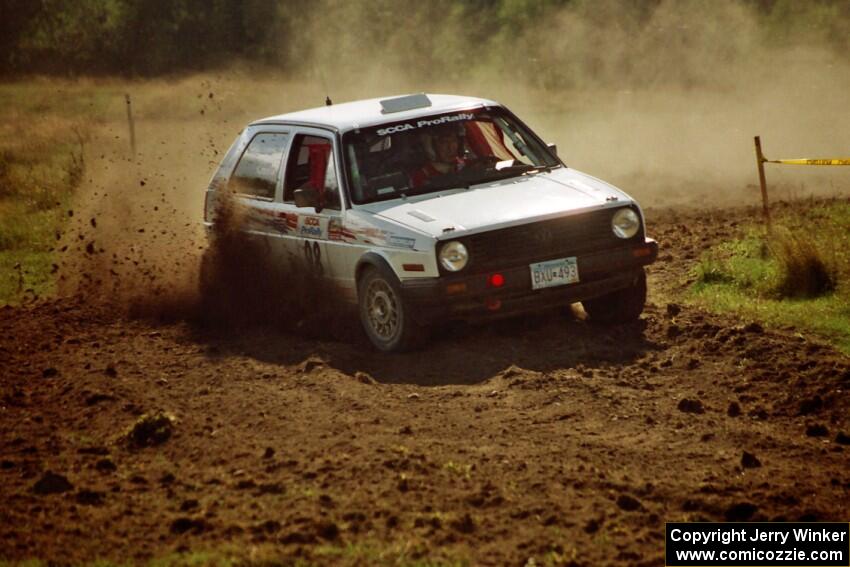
<point>223,172</point>
<point>259,167</point>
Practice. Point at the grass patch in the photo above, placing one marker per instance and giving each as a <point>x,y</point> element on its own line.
<point>802,267</point>
<point>798,275</point>
<point>43,134</point>
<point>27,254</point>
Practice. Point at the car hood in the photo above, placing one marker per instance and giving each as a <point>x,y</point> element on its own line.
<point>504,203</point>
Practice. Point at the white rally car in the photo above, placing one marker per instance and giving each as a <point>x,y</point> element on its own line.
<point>423,208</point>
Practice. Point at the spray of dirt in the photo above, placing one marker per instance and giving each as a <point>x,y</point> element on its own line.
<point>241,284</point>
<point>661,99</point>
<point>136,241</point>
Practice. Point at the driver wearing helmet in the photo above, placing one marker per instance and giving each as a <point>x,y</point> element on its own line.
<point>443,147</point>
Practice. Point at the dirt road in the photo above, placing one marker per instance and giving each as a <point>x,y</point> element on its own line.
<point>543,437</point>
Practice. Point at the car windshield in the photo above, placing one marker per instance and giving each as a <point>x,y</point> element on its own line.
<point>442,151</point>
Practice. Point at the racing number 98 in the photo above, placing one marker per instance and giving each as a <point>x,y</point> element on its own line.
<point>313,253</point>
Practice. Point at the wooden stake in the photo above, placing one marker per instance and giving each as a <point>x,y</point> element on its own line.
<point>131,124</point>
<point>760,161</point>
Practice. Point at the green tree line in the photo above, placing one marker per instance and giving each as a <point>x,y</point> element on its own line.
<point>134,37</point>
<point>154,37</point>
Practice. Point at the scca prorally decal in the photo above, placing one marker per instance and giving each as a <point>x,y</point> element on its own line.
<point>423,123</point>
<point>311,227</point>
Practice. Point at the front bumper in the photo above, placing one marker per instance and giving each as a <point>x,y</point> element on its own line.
<point>471,297</point>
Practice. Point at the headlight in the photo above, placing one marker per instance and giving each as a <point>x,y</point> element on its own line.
<point>625,223</point>
<point>453,256</point>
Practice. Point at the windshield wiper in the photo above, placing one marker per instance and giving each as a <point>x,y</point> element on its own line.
<point>508,171</point>
<point>523,169</point>
<point>540,168</point>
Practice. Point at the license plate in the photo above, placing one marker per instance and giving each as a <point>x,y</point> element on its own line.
<point>554,273</point>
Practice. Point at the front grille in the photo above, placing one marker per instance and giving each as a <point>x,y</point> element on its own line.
<point>561,237</point>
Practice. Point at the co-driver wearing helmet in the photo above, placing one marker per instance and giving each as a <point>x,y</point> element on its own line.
<point>445,144</point>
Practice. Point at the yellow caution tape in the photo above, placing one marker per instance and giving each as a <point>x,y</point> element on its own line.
<point>811,161</point>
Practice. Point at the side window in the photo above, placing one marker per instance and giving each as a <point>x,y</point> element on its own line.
<point>311,164</point>
<point>258,169</point>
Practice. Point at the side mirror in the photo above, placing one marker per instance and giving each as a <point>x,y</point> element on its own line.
<point>553,148</point>
<point>307,197</point>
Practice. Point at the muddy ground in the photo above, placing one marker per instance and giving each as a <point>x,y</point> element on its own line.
<point>541,437</point>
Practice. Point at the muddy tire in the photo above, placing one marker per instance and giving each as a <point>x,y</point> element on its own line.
<point>622,306</point>
<point>385,318</point>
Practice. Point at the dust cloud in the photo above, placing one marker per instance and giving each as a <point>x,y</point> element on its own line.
<point>136,240</point>
<point>662,99</point>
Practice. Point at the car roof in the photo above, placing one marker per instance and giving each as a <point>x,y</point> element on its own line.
<point>364,113</point>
